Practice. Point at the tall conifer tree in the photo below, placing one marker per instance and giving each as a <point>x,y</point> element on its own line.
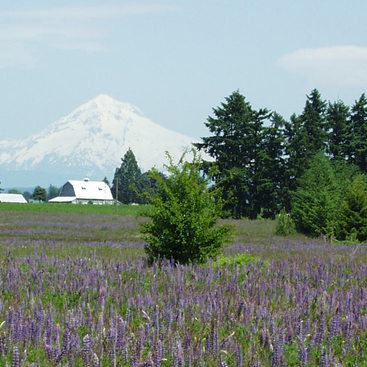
<point>357,134</point>
<point>128,176</point>
<point>337,118</point>
<point>271,184</point>
<point>294,154</point>
<point>236,146</point>
<point>314,124</point>
<point>305,135</point>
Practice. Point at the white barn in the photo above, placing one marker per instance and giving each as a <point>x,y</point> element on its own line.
<point>84,192</point>
<point>12,198</point>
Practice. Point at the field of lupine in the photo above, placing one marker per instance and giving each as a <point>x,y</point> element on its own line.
<point>76,290</point>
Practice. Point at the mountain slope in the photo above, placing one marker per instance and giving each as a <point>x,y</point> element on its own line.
<point>91,141</point>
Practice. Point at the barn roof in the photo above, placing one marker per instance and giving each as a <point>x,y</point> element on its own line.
<point>91,190</point>
<point>83,190</point>
<point>12,198</point>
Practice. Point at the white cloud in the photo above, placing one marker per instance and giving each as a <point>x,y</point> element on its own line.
<point>73,27</point>
<point>344,66</point>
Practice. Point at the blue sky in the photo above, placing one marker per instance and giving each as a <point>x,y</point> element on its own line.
<point>175,60</point>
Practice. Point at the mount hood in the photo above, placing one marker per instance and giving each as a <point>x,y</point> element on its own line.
<point>89,142</point>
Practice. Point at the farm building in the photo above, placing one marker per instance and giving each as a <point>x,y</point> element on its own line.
<point>84,192</point>
<point>12,198</point>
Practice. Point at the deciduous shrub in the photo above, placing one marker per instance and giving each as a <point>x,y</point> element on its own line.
<point>184,216</point>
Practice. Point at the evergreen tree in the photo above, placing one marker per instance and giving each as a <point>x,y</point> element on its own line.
<point>337,119</point>
<point>27,195</point>
<point>344,173</point>
<point>105,180</point>
<point>314,124</point>
<point>236,146</point>
<point>295,155</point>
<point>39,194</point>
<point>126,178</point>
<point>52,192</point>
<point>147,184</point>
<point>353,213</point>
<point>357,134</point>
<point>315,203</point>
<point>271,183</point>
<point>256,182</point>
<point>305,135</point>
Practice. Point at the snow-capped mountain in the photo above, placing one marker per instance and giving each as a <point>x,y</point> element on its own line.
<point>90,141</point>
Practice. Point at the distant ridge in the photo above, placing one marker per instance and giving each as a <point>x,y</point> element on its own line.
<point>90,141</point>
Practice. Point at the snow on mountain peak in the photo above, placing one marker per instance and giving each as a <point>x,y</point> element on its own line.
<point>105,99</point>
<point>105,103</point>
<point>91,141</point>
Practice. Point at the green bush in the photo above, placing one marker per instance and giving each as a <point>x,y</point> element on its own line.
<point>284,225</point>
<point>183,214</point>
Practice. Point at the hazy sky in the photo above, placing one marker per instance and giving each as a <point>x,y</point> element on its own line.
<point>176,60</point>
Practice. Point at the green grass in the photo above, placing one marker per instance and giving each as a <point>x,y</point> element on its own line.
<point>125,210</point>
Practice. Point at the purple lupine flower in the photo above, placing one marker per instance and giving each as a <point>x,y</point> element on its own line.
<point>147,331</point>
<point>241,308</point>
<point>239,356</point>
<point>2,345</point>
<point>159,353</point>
<point>87,344</point>
<point>303,354</point>
<point>49,328</point>
<point>66,342</point>
<point>87,350</point>
<point>324,362</point>
<point>100,322</point>
<point>276,354</point>
<point>57,350</point>
<point>120,341</point>
<point>126,354</point>
<point>49,351</point>
<point>179,353</point>
<point>214,338</point>
<point>95,360</point>
<point>321,331</point>
<point>128,316</point>
<point>15,357</point>
<point>348,332</point>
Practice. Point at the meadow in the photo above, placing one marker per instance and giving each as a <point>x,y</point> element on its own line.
<point>76,290</point>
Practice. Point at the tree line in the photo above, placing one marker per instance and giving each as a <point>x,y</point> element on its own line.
<point>259,157</point>
<point>312,165</point>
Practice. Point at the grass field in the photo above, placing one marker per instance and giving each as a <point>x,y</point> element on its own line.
<point>130,210</point>
<point>76,290</point>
